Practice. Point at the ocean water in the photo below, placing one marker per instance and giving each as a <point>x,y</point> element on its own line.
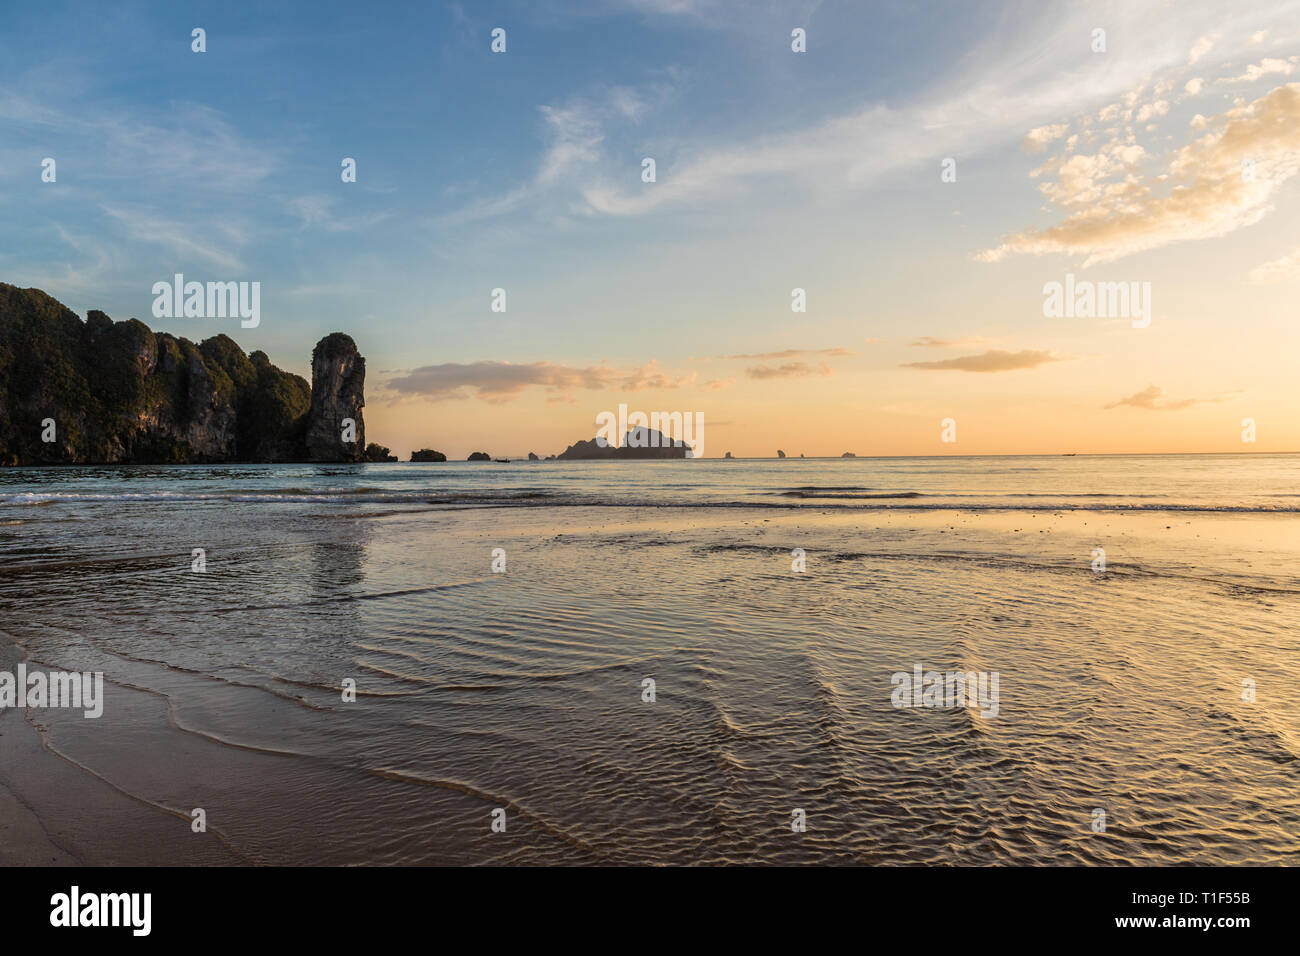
<point>1160,692</point>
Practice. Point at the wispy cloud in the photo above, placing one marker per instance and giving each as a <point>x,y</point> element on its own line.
<point>87,278</point>
<point>744,16</point>
<point>790,353</point>
<point>1283,267</point>
<point>502,381</point>
<point>1151,398</point>
<point>788,370</point>
<point>574,134</point>
<point>186,147</point>
<point>316,212</point>
<point>182,239</point>
<point>928,341</point>
<point>994,360</point>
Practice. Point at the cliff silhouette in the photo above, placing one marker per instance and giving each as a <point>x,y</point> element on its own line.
<point>105,392</point>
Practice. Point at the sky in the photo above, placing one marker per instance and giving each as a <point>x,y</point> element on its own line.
<point>923,172</point>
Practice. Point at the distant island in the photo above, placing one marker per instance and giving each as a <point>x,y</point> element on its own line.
<point>639,442</point>
<point>105,392</point>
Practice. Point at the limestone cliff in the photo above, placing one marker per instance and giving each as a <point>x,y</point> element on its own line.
<point>100,391</point>
<point>338,378</point>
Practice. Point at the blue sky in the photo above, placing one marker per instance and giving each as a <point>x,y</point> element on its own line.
<point>775,170</point>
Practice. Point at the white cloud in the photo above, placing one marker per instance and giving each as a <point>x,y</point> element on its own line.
<point>1202,46</point>
<point>1286,267</point>
<point>1036,140</point>
<point>1116,213</point>
<point>1270,66</point>
<point>1150,110</point>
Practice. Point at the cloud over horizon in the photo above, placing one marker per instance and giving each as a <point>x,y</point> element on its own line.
<point>788,370</point>
<point>790,353</point>
<point>1150,398</point>
<point>994,360</point>
<point>930,342</point>
<point>495,381</point>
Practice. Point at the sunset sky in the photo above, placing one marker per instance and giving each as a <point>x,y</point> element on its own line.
<point>1169,158</point>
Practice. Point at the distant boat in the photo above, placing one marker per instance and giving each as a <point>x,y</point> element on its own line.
<point>504,461</point>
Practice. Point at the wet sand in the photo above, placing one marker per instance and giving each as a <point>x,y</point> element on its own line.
<point>522,691</point>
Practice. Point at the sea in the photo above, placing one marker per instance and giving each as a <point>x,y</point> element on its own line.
<point>658,662</point>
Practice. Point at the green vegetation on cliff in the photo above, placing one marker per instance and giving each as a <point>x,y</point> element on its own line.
<point>118,392</point>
